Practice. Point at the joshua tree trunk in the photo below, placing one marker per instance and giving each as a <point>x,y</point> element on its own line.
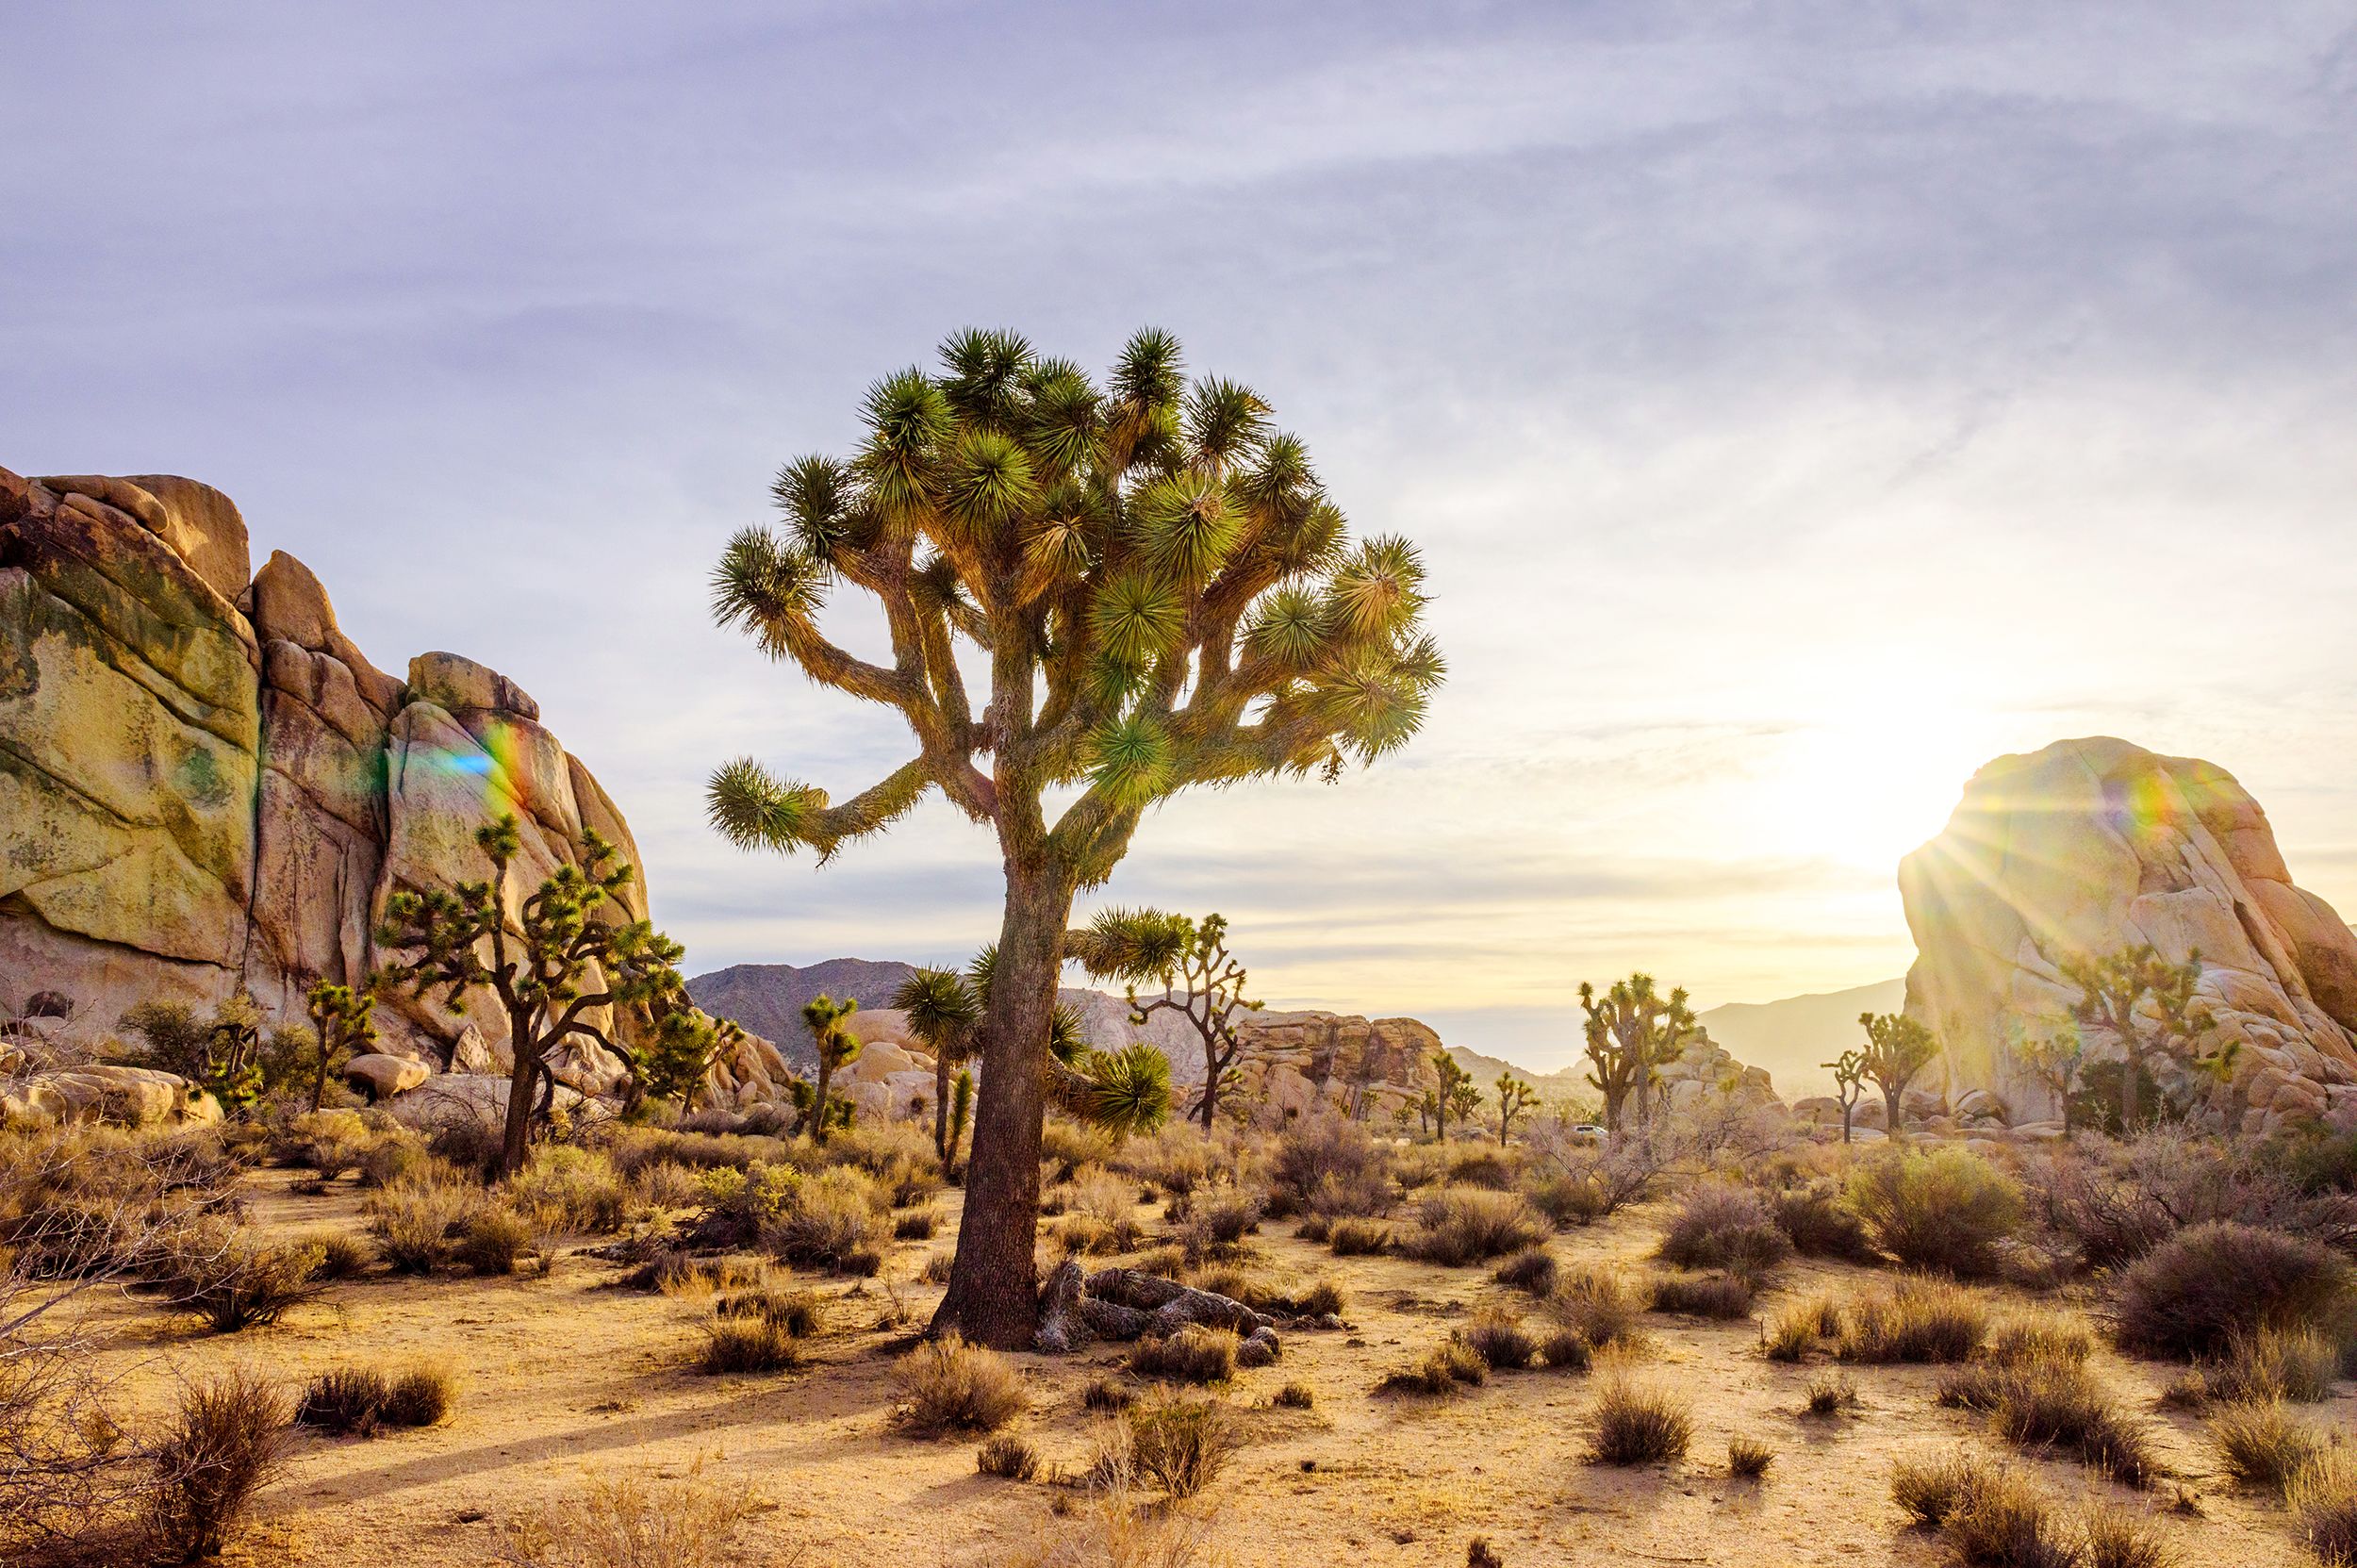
<point>1892,1127</point>
<point>515,1139</point>
<point>993,1297</point>
<point>2129,1061</point>
<point>818,1102</point>
<point>1845,1120</point>
<point>941,1106</point>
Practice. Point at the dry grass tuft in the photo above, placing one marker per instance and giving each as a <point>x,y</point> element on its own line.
<point>1921,1320</point>
<point>748,1343</point>
<point>1007,1457</point>
<point>1443,1370</point>
<point>1533,1271</point>
<point>628,1522</point>
<point>2113,1538</point>
<point>1358,1238</point>
<point>1193,1355</point>
<point>2261,1444</point>
<point>1295,1396</point>
<point>952,1386</point>
<point>2192,1295</point>
<point>2323,1502</point>
<point>1175,1446</point>
<point>2044,1398</point>
<point>1458,1226</point>
<point>1633,1422</point>
<point>1829,1393</point>
<point>1502,1342</point>
<point>1748,1458</point>
<point>1723,1226</point>
<point>1712,1295</point>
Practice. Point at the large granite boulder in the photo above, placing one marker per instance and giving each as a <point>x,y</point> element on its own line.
<point>123,1096</point>
<point>205,785</point>
<point>1367,1070</point>
<point>2090,846</point>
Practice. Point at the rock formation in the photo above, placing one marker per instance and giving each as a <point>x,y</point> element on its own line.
<point>2090,846</point>
<point>204,785</point>
<point>1367,1070</point>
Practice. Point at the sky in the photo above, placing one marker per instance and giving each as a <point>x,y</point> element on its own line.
<point>1796,406</point>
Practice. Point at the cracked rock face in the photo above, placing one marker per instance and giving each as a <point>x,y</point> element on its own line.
<point>2090,846</point>
<point>204,783</point>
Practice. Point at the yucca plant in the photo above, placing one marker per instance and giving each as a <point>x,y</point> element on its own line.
<point>944,1011</point>
<point>1166,597</point>
<point>1189,959</point>
<point>1632,1031</point>
<point>830,1036</point>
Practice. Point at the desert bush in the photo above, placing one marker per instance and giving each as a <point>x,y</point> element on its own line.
<point>1829,1393</point>
<point>917,1225</point>
<point>1502,1342</point>
<point>2112,1538</point>
<point>749,1342</point>
<point>1575,1183</point>
<point>1989,1514</point>
<point>633,1149</point>
<point>2048,1400</point>
<point>1596,1303</point>
<point>666,1184</point>
<point>1717,1296</point>
<point>226,1441</point>
<point>2296,1365</point>
<point>1177,1157</point>
<point>2262,1443</point>
<point>1324,1297</point>
<point>1800,1328</point>
<point>1176,1446</point>
<point>1216,1223</point>
<point>360,1401</point>
<point>2116,1201</point>
<point>1819,1225</point>
<point>1931,1491</point>
<point>415,1218</point>
<point>341,1254</point>
<point>2322,1498</point>
<point>1482,1165</point>
<point>1007,1457</point>
<point>835,1219</point>
<point>950,1385</point>
<point>677,1273</point>
<point>2190,1296</point>
<point>1468,1225</point>
<point>1633,1422</point>
<point>2039,1336</point>
<point>1065,1146</point>
<point>421,1396</point>
<point>1295,1396</point>
<point>387,1157</point>
<point>936,1269</point>
<point>1748,1458</point>
<point>1196,1354</point>
<point>1918,1320</point>
<point>800,1313</point>
<point>1357,1238</point>
<point>578,1187</point>
<point>1532,1271</point>
<point>1443,1370</point>
<point>1945,1212</point>
<point>1565,1349</point>
<point>1103,1393</point>
<point>1728,1228</point>
<point>234,1281</point>
<point>496,1239</point>
<point>1328,1166</point>
<point>629,1521</point>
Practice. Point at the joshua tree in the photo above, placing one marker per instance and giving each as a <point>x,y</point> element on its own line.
<point>944,1011</point>
<point>1631,1033</point>
<point>961,1109</point>
<point>1448,1097</point>
<point>838,1047</point>
<point>1464,1099</point>
<point>2055,1059</point>
<point>1201,981</point>
<point>1164,597</point>
<point>1849,1081</point>
<point>558,965</point>
<point>676,1060</point>
<point>343,1023</point>
<point>2147,1004</point>
<point>1514,1097</point>
<point>1897,1049</point>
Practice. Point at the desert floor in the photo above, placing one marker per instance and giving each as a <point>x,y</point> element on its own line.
<point>563,1377</point>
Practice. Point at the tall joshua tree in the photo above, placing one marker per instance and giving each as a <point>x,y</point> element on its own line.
<point>559,964</point>
<point>1201,981</point>
<point>2144,1002</point>
<point>1632,1031</point>
<point>1849,1085</point>
<point>1448,1095</point>
<point>1897,1049</point>
<point>838,1047</point>
<point>1514,1097</point>
<point>342,1022</point>
<point>1163,596</point>
<point>944,1012</point>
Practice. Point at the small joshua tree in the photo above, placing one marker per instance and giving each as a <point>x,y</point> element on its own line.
<point>1849,1084</point>
<point>837,1047</point>
<point>1632,1030</point>
<point>2056,1060</point>
<point>1514,1097</point>
<point>2146,1005</point>
<point>343,1024</point>
<point>1897,1049</point>
<point>556,966</point>
<point>961,1109</point>
<point>945,1013</point>
<point>1201,981</point>
<point>1448,1099</point>
<point>675,1062</point>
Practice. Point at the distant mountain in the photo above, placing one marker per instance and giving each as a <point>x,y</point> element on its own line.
<point>1791,1039</point>
<point>1560,1084</point>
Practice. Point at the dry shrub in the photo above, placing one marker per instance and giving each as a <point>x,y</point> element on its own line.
<point>2192,1295</point>
<point>1216,1223</point>
<point>2112,1538</point>
<point>1930,1491</point>
<point>627,1521</point>
<point>1196,1354</point>
<point>1564,1350</point>
<point>1483,1167</point>
<point>1358,1238</point>
<point>2262,1443</point>
<point>1532,1271</point>
<point>1819,1225</point>
<point>666,1184</point>
<point>1468,1225</point>
<point>415,1218</point>
<point>936,1269</point>
<point>1798,1330</point>
<point>578,1187</point>
<point>1175,1446</point>
<point>917,1225</point>
<point>1295,1396</point>
<point>1748,1458</point>
<point>1724,1228</point>
<point>1103,1393</point>
<point>1595,1302</point>
<point>1716,1295</point>
<point>361,1401</point>
<point>1635,1422</point>
<point>952,1386</point>
<point>1007,1457</point>
<point>1502,1342</point>
<point>1578,1184</point>
<point>1329,1167</point>
<point>497,1239</point>
<point>1946,1213</point>
<point>633,1149</point>
<point>1990,1515</point>
<point>233,1281</point>
<point>2114,1202</point>
<point>2323,1502</point>
<point>1178,1158</point>
<point>2298,1364</point>
<point>421,1396</point>
<point>1112,1531</point>
<point>2052,1400</point>
<point>1920,1320</point>
<point>1065,1146</point>
<point>1829,1393</point>
<point>836,1219</point>
<point>226,1441</point>
<point>2039,1336</point>
<point>799,1313</point>
<point>748,1343</point>
<point>342,1255</point>
<point>1443,1370</point>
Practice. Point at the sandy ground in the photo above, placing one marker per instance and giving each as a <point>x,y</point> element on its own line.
<point>563,1379</point>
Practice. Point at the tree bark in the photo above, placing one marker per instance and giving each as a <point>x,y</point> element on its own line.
<point>515,1142</point>
<point>993,1296</point>
<point>819,1103</point>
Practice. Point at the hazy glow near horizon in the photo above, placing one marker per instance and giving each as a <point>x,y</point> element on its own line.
<point>1797,407</point>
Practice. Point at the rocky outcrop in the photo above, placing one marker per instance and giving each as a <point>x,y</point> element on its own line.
<point>1366,1069</point>
<point>204,784</point>
<point>2090,846</point>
